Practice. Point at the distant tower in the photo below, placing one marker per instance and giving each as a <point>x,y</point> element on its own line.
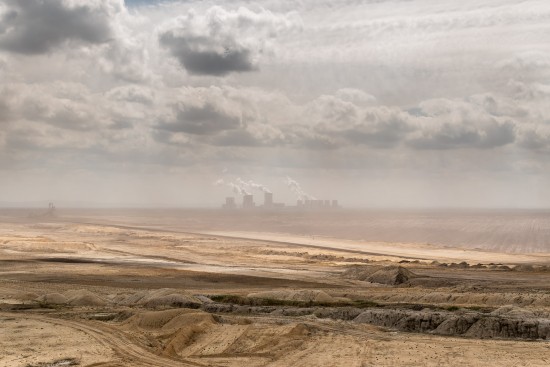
<point>229,203</point>
<point>335,203</point>
<point>248,201</point>
<point>268,199</point>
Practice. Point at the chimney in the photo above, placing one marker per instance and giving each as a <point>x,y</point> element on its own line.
<point>248,201</point>
<point>268,199</point>
<point>229,203</point>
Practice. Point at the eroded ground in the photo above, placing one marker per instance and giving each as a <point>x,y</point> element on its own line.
<point>75,292</point>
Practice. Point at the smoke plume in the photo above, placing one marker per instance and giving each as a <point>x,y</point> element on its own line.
<point>242,187</point>
<point>235,187</point>
<point>251,185</point>
<point>295,187</point>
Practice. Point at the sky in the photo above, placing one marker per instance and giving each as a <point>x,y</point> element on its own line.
<point>376,103</point>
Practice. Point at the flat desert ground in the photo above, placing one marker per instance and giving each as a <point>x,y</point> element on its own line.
<point>281,288</point>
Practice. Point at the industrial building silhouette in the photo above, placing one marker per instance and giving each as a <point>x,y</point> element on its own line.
<point>248,203</point>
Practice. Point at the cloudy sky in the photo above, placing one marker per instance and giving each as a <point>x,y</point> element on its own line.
<point>380,103</point>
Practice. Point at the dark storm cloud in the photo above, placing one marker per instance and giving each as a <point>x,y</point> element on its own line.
<point>220,42</point>
<point>535,139</point>
<point>471,123</point>
<point>202,120</point>
<point>475,122</point>
<point>5,111</point>
<point>237,138</point>
<point>339,122</point>
<point>450,136</point>
<point>208,62</point>
<point>38,26</point>
<point>61,113</point>
<point>382,128</point>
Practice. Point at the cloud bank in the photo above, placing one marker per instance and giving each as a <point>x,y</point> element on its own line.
<point>221,42</point>
<point>37,27</point>
<point>363,94</point>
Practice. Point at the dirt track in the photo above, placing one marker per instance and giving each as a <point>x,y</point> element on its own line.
<point>126,351</point>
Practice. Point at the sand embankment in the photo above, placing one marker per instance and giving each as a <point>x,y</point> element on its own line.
<point>392,250</point>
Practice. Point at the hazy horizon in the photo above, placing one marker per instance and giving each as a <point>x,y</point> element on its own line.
<point>60,205</point>
<point>377,104</point>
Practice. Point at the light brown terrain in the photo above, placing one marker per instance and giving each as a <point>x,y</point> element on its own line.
<point>152,288</point>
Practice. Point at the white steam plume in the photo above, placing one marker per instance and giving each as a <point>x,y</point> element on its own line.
<point>251,185</point>
<point>237,188</point>
<point>295,187</point>
<point>242,187</point>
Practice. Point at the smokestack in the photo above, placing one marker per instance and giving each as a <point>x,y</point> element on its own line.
<point>248,201</point>
<point>229,203</point>
<point>268,199</point>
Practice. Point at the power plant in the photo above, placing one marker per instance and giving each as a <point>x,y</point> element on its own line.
<point>229,203</point>
<point>244,188</point>
<point>248,203</point>
<point>317,204</point>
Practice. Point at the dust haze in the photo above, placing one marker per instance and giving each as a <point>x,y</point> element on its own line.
<point>274,286</point>
<point>274,183</point>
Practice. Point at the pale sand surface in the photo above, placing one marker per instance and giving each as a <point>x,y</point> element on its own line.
<point>504,230</point>
<point>128,293</point>
<point>26,341</point>
<point>393,250</point>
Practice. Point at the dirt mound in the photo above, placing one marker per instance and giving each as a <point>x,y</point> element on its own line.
<point>391,275</point>
<point>461,265</point>
<point>463,297</point>
<point>524,267</point>
<point>173,300</point>
<point>84,298</point>
<point>176,328</point>
<point>296,295</point>
<point>53,299</point>
<point>472,324</point>
<point>160,298</point>
<point>513,312</point>
<point>168,320</point>
<point>299,330</point>
<point>22,296</point>
<point>360,272</point>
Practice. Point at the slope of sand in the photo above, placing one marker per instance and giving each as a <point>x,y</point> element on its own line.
<point>110,295</point>
<point>28,341</point>
<point>391,250</point>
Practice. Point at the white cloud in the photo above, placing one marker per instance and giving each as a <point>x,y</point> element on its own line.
<point>220,41</point>
<point>376,87</point>
<point>36,27</point>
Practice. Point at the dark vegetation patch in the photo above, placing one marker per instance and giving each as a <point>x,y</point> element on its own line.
<point>236,303</point>
<point>58,363</point>
<point>253,301</point>
<point>69,260</point>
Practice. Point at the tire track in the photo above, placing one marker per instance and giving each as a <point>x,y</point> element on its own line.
<point>126,349</point>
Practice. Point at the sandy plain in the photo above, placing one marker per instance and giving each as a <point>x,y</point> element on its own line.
<point>196,288</point>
